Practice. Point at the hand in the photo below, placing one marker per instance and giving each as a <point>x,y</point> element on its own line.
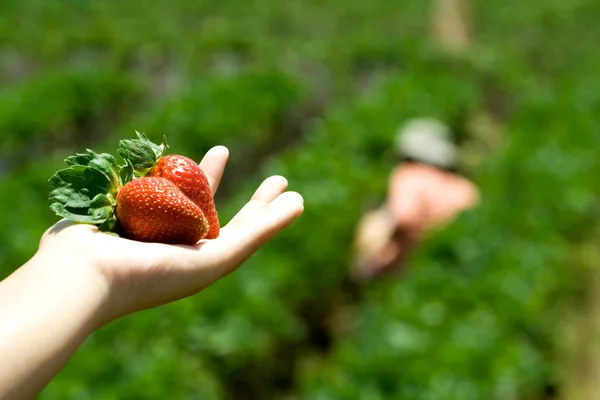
<point>138,275</point>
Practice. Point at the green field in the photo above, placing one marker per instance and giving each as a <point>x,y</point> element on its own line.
<point>314,90</point>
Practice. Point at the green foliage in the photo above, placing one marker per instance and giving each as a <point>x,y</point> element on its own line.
<point>314,91</point>
<point>86,190</point>
<point>53,105</point>
<point>142,153</point>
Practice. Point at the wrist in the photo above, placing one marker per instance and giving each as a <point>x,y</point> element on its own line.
<point>48,307</point>
<point>67,285</point>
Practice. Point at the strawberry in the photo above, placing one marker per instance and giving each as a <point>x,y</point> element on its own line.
<point>186,174</point>
<point>152,197</point>
<point>155,210</point>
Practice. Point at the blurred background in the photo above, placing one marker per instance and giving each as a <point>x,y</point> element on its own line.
<point>502,304</point>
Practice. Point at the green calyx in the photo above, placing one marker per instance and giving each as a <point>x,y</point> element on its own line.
<point>142,153</point>
<point>86,191</point>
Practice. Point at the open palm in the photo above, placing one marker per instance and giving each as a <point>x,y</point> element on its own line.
<point>142,275</point>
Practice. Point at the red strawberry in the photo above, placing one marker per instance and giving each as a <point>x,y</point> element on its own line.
<point>154,210</point>
<point>152,197</point>
<point>191,180</point>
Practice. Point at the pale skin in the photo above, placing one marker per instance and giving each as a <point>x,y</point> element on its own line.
<point>81,279</point>
<point>421,198</point>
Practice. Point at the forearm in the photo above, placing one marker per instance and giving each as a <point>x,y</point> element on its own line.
<point>44,317</point>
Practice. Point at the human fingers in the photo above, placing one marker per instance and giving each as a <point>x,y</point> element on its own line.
<point>268,190</point>
<point>251,230</point>
<point>268,212</point>
<point>213,165</point>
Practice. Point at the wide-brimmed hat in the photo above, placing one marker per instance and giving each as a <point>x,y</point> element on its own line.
<point>426,140</point>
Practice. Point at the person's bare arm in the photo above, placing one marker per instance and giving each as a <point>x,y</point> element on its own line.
<point>81,279</point>
<point>470,197</point>
<point>47,309</point>
<point>403,200</point>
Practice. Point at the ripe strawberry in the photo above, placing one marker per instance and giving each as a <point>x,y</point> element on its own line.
<point>154,210</point>
<point>152,197</point>
<point>191,180</point>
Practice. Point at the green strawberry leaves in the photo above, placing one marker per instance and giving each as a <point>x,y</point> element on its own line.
<point>102,162</point>
<point>142,153</point>
<point>127,172</point>
<point>75,214</point>
<point>86,190</point>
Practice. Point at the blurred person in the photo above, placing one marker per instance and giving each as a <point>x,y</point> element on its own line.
<point>81,279</point>
<point>424,193</point>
